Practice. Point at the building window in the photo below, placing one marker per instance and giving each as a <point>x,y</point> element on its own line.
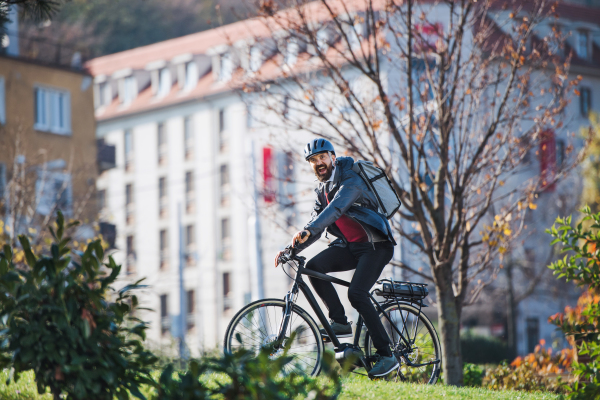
<point>162,197</point>
<point>164,82</point>
<point>191,309</point>
<point>255,59</point>
<point>2,101</point>
<point>225,239</point>
<point>101,198</point>
<point>533,333</point>
<point>128,149</point>
<point>225,67</point>
<point>190,245</point>
<point>291,52</point>
<point>164,249</point>
<point>191,75</point>
<point>322,41</point>
<point>127,90</point>
<point>189,192</point>
<point>223,134</point>
<point>226,291</point>
<point>54,192</point>
<point>354,33</point>
<point>162,143</point>
<point>131,256</point>
<point>224,183</point>
<point>52,111</point>
<point>585,101</point>
<point>165,323</point>
<point>583,45</point>
<point>104,94</point>
<point>188,137</point>
<point>129,205</point>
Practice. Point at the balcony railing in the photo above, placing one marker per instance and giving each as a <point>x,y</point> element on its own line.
<point>164,260</point>
<point>165,325</point>
<point>190,256</point>
<point>131,269</point>
<point>163,207</point>
<point>162,154</point>
<point>191,321</point>
<point>190,203</point>
<point>227,303</point>
<point>129,213</point>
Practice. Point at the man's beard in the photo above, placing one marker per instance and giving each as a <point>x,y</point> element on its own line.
<point>326,176</point>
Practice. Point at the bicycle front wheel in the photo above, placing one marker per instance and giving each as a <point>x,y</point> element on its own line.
<point>424,343</point>
<point>258,325</point>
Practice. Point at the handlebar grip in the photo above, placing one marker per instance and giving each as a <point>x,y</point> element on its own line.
<point>303,234</point>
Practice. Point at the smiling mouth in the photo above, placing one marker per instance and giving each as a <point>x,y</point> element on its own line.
<point>322,169</point>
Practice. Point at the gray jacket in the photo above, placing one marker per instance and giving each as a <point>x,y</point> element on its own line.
<point>351,197</point>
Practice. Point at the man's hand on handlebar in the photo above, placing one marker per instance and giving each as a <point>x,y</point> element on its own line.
<point>298,238</point>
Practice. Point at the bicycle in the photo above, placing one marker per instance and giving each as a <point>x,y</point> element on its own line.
<point>271,322</point>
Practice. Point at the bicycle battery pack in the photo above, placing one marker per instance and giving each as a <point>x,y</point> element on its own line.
<point>414,291</point>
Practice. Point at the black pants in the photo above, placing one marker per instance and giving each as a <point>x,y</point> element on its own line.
<point>369,264</point>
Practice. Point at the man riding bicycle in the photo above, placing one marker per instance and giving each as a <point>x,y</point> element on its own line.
<point>347,209</point>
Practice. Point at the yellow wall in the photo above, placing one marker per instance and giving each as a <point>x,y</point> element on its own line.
<point>78,149</point>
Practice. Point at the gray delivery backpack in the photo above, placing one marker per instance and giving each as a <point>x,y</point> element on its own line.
<point>380,185</point>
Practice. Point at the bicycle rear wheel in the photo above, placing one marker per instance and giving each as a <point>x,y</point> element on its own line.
<point>258,325</point>
<point>425,344</point>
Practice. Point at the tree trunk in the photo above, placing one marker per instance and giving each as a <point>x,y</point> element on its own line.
<point>511,314</point>
<point>449,325</point>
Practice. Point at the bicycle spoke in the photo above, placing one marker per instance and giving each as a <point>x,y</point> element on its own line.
<point>262,324</point>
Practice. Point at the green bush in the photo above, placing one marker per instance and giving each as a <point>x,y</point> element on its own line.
<point>248,376</point>
<point>581,265</point>
<point>59,323</point>
<point>473,375</point>
<point>482,349</point>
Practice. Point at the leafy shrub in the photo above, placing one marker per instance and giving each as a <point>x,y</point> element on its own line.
<point>582,326</point>
<point>535,371</point>
<point>482,349</point>
<point>59,323</point>
<point>473,375</point>
<point>250,377</point>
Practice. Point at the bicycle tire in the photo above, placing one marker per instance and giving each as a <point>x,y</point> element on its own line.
<point>427,342</point>
<point>270,316</point>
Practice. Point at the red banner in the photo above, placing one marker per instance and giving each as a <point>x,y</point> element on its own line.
<point>547,160</point>
<point>268,188</point>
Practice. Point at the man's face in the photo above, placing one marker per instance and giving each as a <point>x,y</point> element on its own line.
<point>322,164</point>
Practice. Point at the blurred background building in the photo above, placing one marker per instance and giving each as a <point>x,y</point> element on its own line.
<point>47,137</point>
<point>155,141</point>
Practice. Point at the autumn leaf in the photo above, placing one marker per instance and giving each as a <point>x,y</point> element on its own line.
<point>532,206</point>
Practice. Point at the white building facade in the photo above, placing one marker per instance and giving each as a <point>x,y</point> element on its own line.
<point>193,172</point>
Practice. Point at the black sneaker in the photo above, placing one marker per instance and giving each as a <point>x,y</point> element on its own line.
<point>340,330</point>
<point>384,366</point>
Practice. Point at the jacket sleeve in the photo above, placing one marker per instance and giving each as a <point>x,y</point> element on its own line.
<point>346,195</point>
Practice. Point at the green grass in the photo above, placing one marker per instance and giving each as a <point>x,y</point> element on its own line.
<point>354,387</point>
<point>361,387</point>
<point>24,389</point>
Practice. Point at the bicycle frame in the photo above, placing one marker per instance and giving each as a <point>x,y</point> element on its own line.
<point>300,285</point>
